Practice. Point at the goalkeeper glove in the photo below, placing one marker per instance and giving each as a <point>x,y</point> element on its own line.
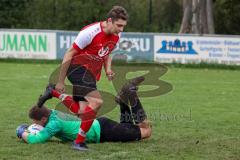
<point>20,130</point>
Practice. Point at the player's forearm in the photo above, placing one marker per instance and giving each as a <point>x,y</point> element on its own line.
<point>107,63</point>
<point>65,65</point>
<point>35,138</point>
<point>63,71</point>
<point>31,141</point>
<point>24,136</point>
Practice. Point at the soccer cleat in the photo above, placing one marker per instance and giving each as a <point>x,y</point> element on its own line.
<point>80,146</point>
<point>136,81</point>
<point>47,95</point>
<point>127,88</point>
<point>132,86</point>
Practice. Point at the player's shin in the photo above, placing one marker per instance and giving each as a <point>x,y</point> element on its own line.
<point>138,112</point>
<point>87,117</point>
<point>68,101</point>
<point>126,116</point>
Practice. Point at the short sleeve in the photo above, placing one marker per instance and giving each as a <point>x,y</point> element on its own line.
<point>83,39</point>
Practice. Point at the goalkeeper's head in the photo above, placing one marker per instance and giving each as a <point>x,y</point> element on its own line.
<point>39,115</point>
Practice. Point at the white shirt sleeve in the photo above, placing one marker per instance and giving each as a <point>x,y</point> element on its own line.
<point>86,35</point>
<point>83,39</point>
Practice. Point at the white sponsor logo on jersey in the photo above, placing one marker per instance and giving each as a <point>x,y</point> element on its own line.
<point>103,51</point>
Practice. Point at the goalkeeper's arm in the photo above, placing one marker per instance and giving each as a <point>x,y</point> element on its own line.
<point>40,137</point>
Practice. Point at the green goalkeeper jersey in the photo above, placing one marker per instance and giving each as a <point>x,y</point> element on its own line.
<point>65,127</point>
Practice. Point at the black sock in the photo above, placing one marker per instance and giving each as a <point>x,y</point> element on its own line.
<point>138,112</point>
<point>126,115</point>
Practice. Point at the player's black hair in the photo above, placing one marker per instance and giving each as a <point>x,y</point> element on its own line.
<point>118,12</point>
<point>37,113</point>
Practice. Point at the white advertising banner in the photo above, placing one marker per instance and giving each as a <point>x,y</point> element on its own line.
<point>195,49</point>
<point>27,44</point>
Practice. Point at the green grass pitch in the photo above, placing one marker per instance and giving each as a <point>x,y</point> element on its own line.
<point>198,119</point>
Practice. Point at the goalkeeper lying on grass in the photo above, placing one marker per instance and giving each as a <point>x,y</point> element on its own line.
<point>66,127</point>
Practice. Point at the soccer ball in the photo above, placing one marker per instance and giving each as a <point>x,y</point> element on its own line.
<point>35,128</point>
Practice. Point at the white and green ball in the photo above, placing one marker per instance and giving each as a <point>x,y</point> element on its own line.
<point>35,128</point>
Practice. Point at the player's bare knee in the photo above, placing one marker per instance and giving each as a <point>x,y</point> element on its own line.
<point>98,107</point>
<point>96,103</point>
<point>100,102</point>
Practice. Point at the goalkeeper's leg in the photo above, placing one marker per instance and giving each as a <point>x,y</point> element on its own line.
<point>138,112</point>
<point>128,94</point>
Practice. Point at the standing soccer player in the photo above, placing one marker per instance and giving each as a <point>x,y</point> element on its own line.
<point>82,64</point>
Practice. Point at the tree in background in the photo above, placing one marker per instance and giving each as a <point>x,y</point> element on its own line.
<point>64,14</point>
<point>227,16</point>
<point>11,13</point>
<point>74,14</point>
<point>197,17</point>
<point>166,16</point>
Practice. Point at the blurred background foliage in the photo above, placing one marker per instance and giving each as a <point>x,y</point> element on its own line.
<point>162,16</point>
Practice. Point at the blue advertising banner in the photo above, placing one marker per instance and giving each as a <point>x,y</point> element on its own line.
<point>64,41</point>
<point>135,47</point>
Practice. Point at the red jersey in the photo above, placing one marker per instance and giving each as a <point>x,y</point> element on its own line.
<point>93,44</point>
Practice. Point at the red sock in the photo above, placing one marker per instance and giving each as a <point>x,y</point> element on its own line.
<point>67,101</point>
<point>87,117</point>
<point>55,93</point>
